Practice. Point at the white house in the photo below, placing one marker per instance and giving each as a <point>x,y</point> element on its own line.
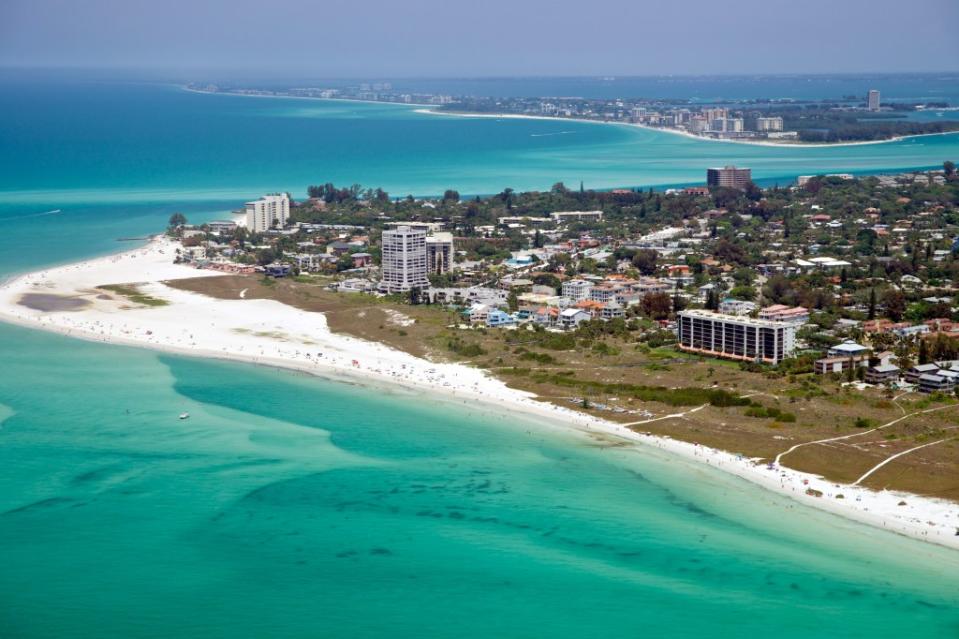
<point>478,313</point>
<point>848,348</point>
<point>731,306</point>
<point>571,317</point>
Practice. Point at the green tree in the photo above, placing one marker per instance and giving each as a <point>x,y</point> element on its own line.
<point>344,263</point>
<point>266,256</point>
<point>712,300</point>
<point>882,341</point>
<point>512,301</point>
<point>895,303</point>
<point>678,302</point>
<point>176,220</point>
<point>655,305</point>
<point>507,197</point>
<point>645,261</point>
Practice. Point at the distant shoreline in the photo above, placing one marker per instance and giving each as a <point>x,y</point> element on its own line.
<point>301,97</point>
<point>430,109</point>
<point>686,134</point>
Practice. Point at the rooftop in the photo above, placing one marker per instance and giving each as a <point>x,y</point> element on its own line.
<point>738,319</point>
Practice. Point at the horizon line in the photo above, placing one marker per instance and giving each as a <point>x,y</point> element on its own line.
<point>612,77</point>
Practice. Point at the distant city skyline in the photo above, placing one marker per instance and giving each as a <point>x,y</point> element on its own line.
<point>432,38</point>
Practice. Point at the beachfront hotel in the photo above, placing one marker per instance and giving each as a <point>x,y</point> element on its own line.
<point>734,337</point>
<point>404,260</point>
<point>267,212</point>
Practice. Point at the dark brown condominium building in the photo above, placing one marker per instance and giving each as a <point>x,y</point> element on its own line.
<point>729,176</point>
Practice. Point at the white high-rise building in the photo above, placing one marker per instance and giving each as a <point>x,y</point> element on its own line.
<point>267,212</point>
<point>715,114</point>
<point>697,124</point>
<point>404,260</point>
<point>769,124</point>
<point>727,125</point>
<point>873,101</point>
<point>734,337</point>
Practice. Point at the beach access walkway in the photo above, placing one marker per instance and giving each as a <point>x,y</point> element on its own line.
<point>779,457</point>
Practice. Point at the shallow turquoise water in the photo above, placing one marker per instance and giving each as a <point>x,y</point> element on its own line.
<point>294,507</point>
<point>123,143</point>
<point>291,507</point>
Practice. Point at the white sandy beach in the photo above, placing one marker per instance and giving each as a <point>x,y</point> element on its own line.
<point>269,333</point>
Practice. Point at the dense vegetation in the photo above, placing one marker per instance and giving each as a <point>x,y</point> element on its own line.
<point>818,123</point>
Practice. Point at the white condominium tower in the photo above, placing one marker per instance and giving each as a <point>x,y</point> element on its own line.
<point>267,212</point>
<point>734,337</point>
<point>404,262</point>
<point>769,124</point>
<point>873,100</point>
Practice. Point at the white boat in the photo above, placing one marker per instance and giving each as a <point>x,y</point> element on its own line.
<point>184,415</point>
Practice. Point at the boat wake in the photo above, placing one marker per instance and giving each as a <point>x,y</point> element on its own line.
<point>21,217</point>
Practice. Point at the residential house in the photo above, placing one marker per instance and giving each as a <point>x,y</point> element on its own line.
<point>848,348</point>
<point>277,269</point>
<point>221,226</point>
<point>837,364</point>
<point>797,315</point>
<point>361,260</point>
<point>916,372</point>
<point>932,383</point>
<point>355,286</point>
<point>496,318</point>
<point>612,310</point>
<point>577,289</point>
<point>842,357</point>
<point>338,248</point>
<point>572,317</point>
<point>604,293</point>
<point>546,316</point>
<point>478,314</point>
<point>882,374</point>
<point>730,306</point>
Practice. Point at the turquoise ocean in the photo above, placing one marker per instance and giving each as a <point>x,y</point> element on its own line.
<point>291,506</point>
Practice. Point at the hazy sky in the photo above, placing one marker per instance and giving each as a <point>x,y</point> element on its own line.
<point>485,37</point>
